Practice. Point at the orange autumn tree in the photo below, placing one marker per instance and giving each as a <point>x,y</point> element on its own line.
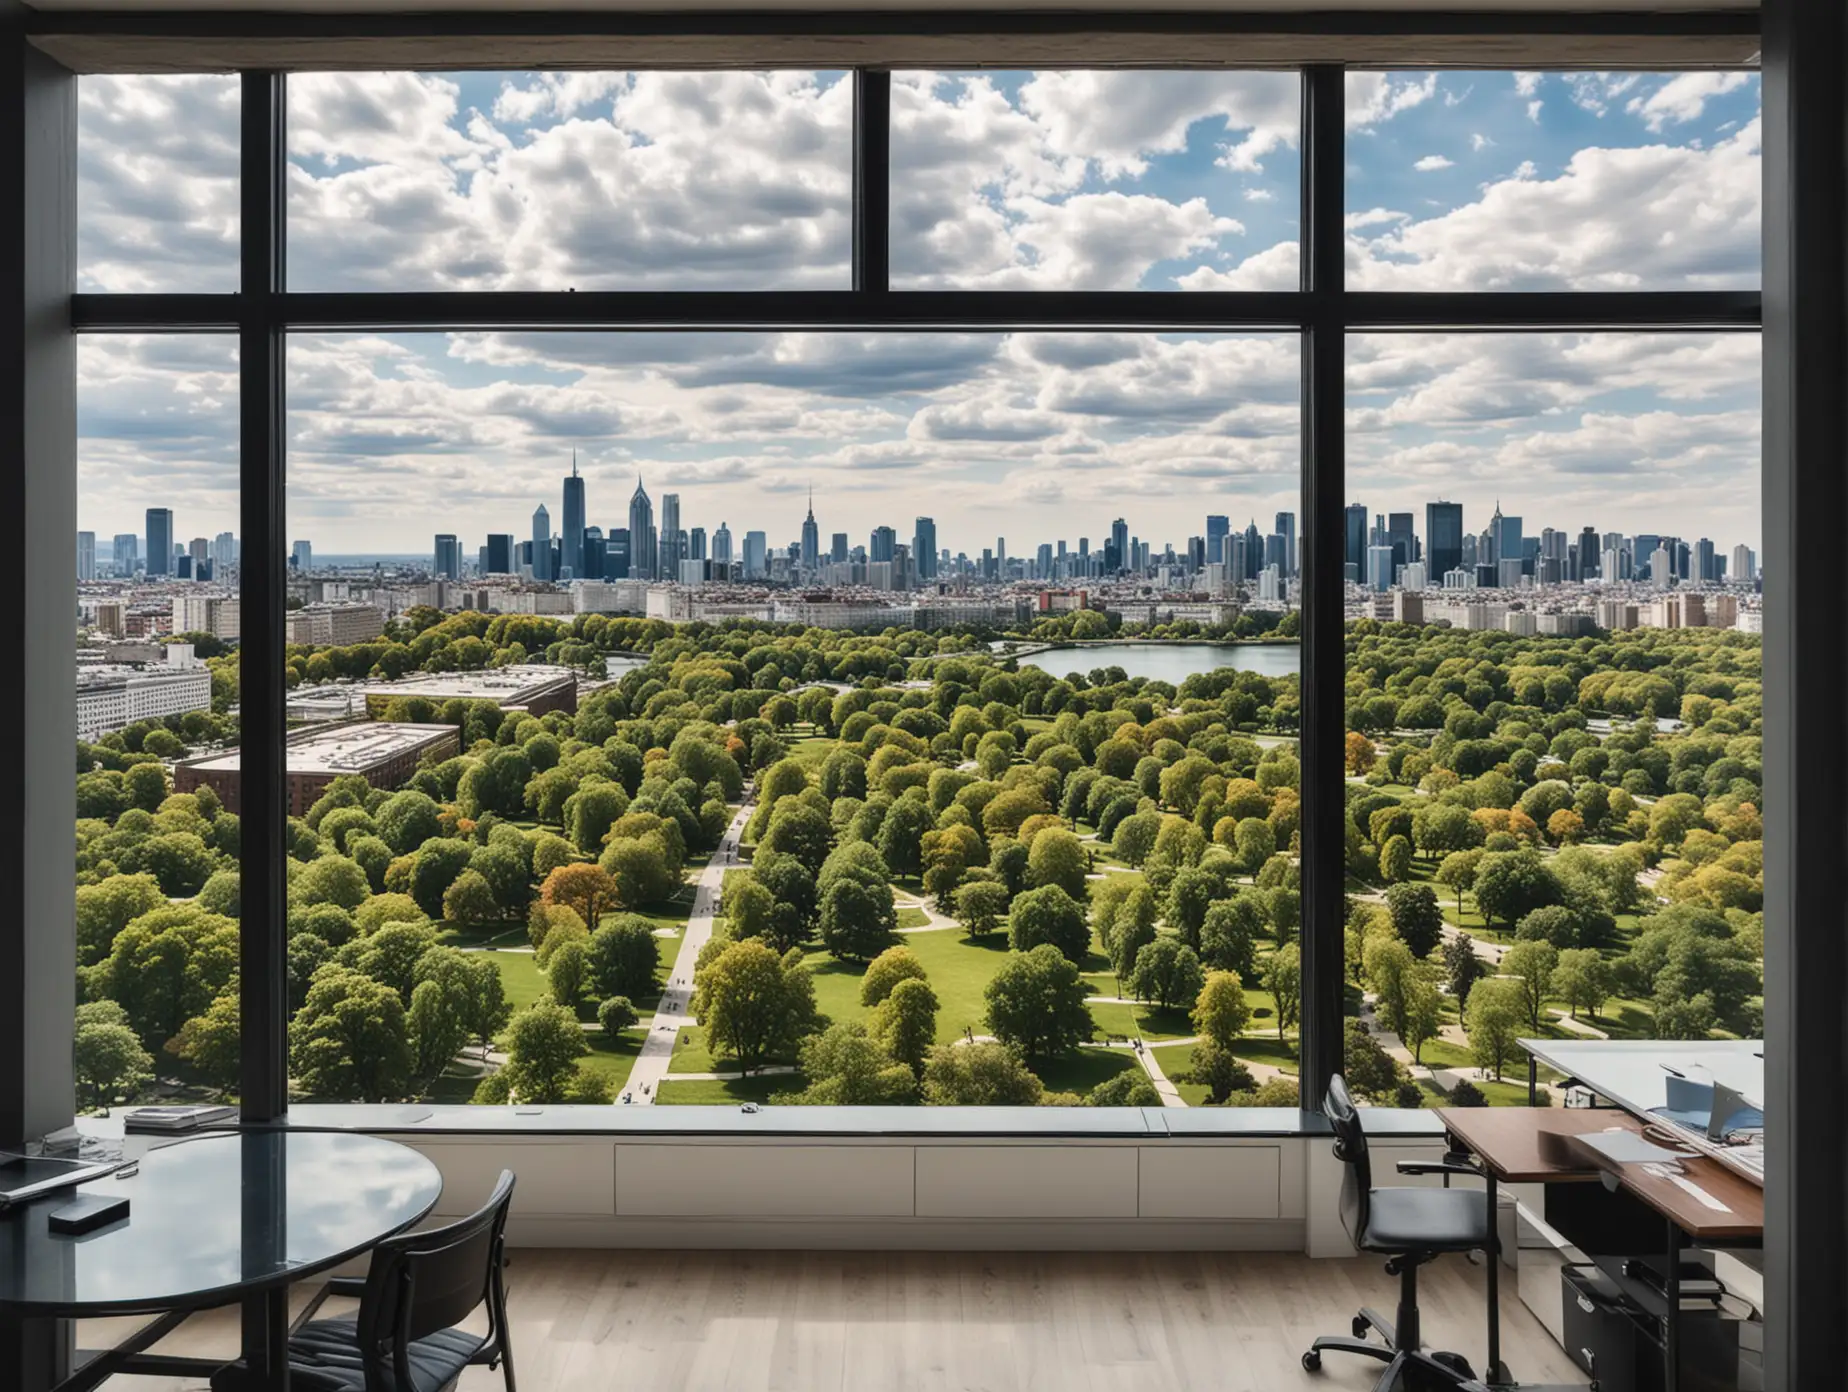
<point>585,887</point>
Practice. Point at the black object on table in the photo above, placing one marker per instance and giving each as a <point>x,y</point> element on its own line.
<point>214,1221</point>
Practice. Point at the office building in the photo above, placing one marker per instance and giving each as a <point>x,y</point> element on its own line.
<point>1661,568</point>
<point>838,550</point>
<point>301,556</point>
<point>542,544</point>
<point>756,556</point>
<point>1379,567</point>
<point>1706,563</point>
<point>669,541</point>
<point>1443,541</point>
<point>596,554</point>
<point>1218,528</point>
<point>384,753</point>
<point>1399,537</point>
<point>641,534</point>
<point>923,547</point>
<point>571,543</point>
<point>884,539</point>
<point>113,696</point>
<point>1286,528</point>
<point>335,625</point>
<point>500,554</point>
<point>224,552</point>
<point>86,556</point>
<point>217,614</point>
<point>1744,569</point>
<point>722,549</point>
<point>537,688</point>
<point>448,557</point>
<point>810,558</point>
<point>696,544</point>
<point>1119,557</point>
<point>1354,539</point>
<point>125,553</point>
<point>159,550</point>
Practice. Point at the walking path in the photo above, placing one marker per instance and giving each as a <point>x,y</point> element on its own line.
<point>1169,1093</point>
<point>672,1014</point>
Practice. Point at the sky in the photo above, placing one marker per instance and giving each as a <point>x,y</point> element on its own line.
<point>1074,180</point>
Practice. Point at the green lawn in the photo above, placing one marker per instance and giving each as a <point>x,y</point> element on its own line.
<point>724,1091</point>
<point>1083,1070</point>
<point>913,918</point>
<point>1498,1094</point>
<point>496,934</point>
<point>520,977</point>
<point>958,968</point>
<point>612,1061</point>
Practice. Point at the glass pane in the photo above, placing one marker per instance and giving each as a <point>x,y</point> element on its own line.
<point>1095,180</point>
<point>622,619</point>
<point>157,633</point>
<point>157,183</point>
<point>1553,181</point>
<point>1553,700</point>
<point>561,181</point>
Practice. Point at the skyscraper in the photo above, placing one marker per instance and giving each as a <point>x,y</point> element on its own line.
<point>86,555</point>
<point>1353,541</point>
<point>159,549</point>
<point>811,539</point>
<point>542,543</point>
<point>668,551</point>
<point>596,555</point>
<point>884,539</point>
<point>572,544</point>
<point>838,551</point>
<point>1744,564</point>
<point>756,556</point>
<point>722,550</point>
<point>1218,528</point>
<point>1254,550</point>
<point>301,555</point>
<point>448,557</point>
<point>617,557</point>
<point>924,547</point>
<point>641,534</point>
<point>1509,544</point>
<point>1443,539</point>
<point>224,553</point>
<point>1705,561</point>
<point>1286,528</point>
<point>1399,537</point>
<point>1119,545</point>
<point>696,545</point>
<point>500,553</point>
<point>127,548</point>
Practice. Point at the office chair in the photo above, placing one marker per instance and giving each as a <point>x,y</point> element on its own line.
<point>403,1338</point>
<point>1411,1226</point>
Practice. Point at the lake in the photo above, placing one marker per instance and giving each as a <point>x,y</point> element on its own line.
<point>1171,662</point>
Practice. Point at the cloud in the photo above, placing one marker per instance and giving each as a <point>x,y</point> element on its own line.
<point>1430,163</point>
<point>1374,97</point>
<point>1682,99</point>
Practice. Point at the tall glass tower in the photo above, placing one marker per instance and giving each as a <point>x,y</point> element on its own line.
<point>571,547</point>
<point>641,534</point>
<point>542,543</point>
<point>811,539</point>
<point>668,554</point>
<point>924,547</point>
<point>160,541</point>
<point>1443,540</point>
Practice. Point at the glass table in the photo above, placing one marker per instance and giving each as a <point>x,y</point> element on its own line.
<point>213,1221</point>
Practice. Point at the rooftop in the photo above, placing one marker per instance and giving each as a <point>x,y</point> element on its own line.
<point>346,748</point>
<point>492,683</point>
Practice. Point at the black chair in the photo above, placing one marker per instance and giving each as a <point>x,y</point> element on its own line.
<point>1411,1226</point>
<point>403,1338</point>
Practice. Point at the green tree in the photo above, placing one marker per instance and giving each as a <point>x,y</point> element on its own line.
<point>1532,964</point>
<point>642,870</point>
<point>622,958</point>
<point>858,918</point>
<point>905,1022</point>
<point>1229,935</point>
<point>1057,857</point>
<point>1167,972</point>
<point>1036,1002</point>
<point>544,1044</point>
<point>754,1005</point>
<point>168,966</point>
<point>979,1075</point>
<point>616,1016</point>
<point>885,971</point>
<point>1134,837</point>
<point>390,955</point>
<point>1512,884</point>
<point>1283,978</point>
<point>350,1040</point>
<point>1216,1069</point>
<point>1254,842</point>
<point>1395,860</point>
<point>1221,1012</point>
<point>750,909</point>
<point>438,1032</point>
<point>1497,1007</point>
<point>1390,966</point>
<point>800,831</point>
<point>212,1042</point>
<point>470,899</point>
<point>1367,1068</point>
<point>381,909</point>
<point>180,861</point>
<point>1048,915</point>
<point>1458,872</point>
<point>566,973</point>
<point>406,820</point>
<point>1582,978</point>
<point>591,812</point>
<point>110,1062</point>
<point>105,909</point>
<point>848,1068</point>
<point>1424,1014</point>
<point>980,907</point>
<point>1130,1088</point>
<point>440,861</point>
<point>1462,967</point>
<point>1416,917</point>
<point>472,990</point>
<point>901,835</point>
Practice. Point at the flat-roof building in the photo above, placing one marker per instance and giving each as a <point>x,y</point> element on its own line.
<point>535,687</point>
<point>111,696</point>
<point>336,625</point>
<point>384,753</point>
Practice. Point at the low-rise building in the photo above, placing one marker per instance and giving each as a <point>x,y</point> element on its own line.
<point>535,687</point>
<point>112,696</point>
<point>335,625</point>
<point>384,753</point>
<point>216,614</point>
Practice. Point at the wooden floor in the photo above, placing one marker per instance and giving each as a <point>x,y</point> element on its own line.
<point>587,1321</point>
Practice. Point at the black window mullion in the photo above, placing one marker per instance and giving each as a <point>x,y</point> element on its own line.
<point>1323,682</point>
<point>262,955</point>
<point>872,181</point>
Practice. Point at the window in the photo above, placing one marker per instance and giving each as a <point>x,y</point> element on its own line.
<point>570,181</point>
<point>1095,180</point>
<point>158,624</point>
<point>684,639</point>
<point>1553,700</point>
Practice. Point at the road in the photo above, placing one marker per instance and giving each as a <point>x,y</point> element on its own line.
<point>657,1055</point>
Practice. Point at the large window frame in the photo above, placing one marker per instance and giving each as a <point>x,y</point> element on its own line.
<point>263,312</point>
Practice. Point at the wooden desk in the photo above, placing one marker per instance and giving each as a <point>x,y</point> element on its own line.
<point>1535,1146</point>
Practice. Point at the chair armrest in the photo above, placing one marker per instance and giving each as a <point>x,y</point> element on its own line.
<point>1443,1167</point>
<point>346,1287</point>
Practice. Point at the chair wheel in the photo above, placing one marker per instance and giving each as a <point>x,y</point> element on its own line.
<point>1361,1325</point>
<point>1456,1362</point>
<point>1312,1362</point>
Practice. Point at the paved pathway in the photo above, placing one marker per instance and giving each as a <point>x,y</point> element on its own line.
<point>652,1064</point>
<point>1169,1093</point>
